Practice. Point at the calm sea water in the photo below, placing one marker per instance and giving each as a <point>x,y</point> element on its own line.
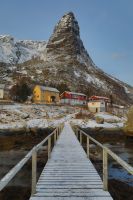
<point>125,151</point>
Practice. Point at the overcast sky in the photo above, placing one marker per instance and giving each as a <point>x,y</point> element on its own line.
<point>106,28</point>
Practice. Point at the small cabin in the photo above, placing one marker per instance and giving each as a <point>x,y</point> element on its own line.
<point>73,98</point>
<point>98,104</point>
<point>42,94</point>
<point>2,88</point>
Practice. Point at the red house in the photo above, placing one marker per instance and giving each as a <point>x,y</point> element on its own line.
<point>73,98</point>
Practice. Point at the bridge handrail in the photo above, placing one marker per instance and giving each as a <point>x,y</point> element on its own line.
<point>32,153</point>
<point>106,152</point>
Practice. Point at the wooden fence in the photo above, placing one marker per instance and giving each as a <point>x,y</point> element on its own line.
<point>31,154</point>
<point>106,152</point>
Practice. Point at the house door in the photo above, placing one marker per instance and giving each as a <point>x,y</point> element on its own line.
<point>96,110</point>
<point>53,98</point>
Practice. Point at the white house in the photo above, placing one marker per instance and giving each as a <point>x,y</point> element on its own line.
<point>2,87</point>
<point>98,104</point>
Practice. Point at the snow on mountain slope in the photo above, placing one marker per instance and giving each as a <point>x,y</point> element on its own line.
<point>18,51</point>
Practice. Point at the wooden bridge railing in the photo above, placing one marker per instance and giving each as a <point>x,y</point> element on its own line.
<point>106,151</point>
<point>31,154</point>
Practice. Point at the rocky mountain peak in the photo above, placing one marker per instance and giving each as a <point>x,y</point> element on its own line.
<point>6,39</point>
<point>68,23</point>
<point>65,41</point>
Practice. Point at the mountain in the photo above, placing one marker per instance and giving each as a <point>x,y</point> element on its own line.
<point>18,51</point>
<point>63,60</point>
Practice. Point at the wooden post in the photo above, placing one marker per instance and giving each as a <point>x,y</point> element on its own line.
<point>49,147</point>
<point>55,137</point>
<point>57,134</point>
<point>61,128</point>
<point>77,133</point>
<point>88,148</point>
<point>105,169</point>
<point>80,137</point>
<point>34,171</point>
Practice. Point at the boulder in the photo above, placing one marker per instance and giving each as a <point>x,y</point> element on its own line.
<point>100,120</point>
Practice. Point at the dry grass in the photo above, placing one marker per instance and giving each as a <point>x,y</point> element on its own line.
<point>128,128</point>
<point>81,115</point>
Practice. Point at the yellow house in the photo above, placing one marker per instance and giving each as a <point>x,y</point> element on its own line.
<point>42,94</point>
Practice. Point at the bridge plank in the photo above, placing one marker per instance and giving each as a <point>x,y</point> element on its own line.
<point>69,174</point>
<point>71,198</point>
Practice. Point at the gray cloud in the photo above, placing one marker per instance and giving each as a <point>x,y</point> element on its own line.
<point>118,56</point>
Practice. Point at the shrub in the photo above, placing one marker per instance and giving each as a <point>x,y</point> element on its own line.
<point>129,123</point>
<point>99,120</point>
<point>20,91</point>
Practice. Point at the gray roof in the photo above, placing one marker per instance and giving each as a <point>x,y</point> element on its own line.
<point>2,86</point>
<point>49,89</point>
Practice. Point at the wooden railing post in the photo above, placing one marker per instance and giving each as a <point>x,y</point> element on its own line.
<point>80,137</point>
<point>34,172</point>
<point>88,148</point>
<point>61,127</point>
<point>55,136</point>
<point>49,147</point>
<point>58,132</point>
<point>105,169</point>
<point>77,133</point>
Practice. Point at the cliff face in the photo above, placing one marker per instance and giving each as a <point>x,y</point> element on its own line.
<point>66,54</point>
<point>64,60</point>
<point>65,42</point>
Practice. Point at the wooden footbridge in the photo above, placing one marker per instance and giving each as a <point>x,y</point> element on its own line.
<point>69,173</point>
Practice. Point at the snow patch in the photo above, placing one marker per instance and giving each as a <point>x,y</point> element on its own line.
<point>77,74</point>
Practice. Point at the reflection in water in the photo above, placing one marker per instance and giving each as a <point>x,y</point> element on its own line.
<point>125,151</point>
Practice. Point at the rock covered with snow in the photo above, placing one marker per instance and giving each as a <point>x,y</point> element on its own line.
<point>14,51</point>
<point>25,118</point>
<point>110,121</point>
<point>65,43</point>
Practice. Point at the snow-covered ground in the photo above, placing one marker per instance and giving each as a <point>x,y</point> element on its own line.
<point>93,124</point>
<point>33,116</point>
<point>108,116</point>
<point>18,117</point>
<point>110,121</point>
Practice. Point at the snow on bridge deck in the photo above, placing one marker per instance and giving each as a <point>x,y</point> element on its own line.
<point>69,174</point>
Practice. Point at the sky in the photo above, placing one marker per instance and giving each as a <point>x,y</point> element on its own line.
<point>106,28</point>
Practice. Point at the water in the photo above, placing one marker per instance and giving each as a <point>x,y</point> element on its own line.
<point>119,144</point>
<point>125,151</point>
